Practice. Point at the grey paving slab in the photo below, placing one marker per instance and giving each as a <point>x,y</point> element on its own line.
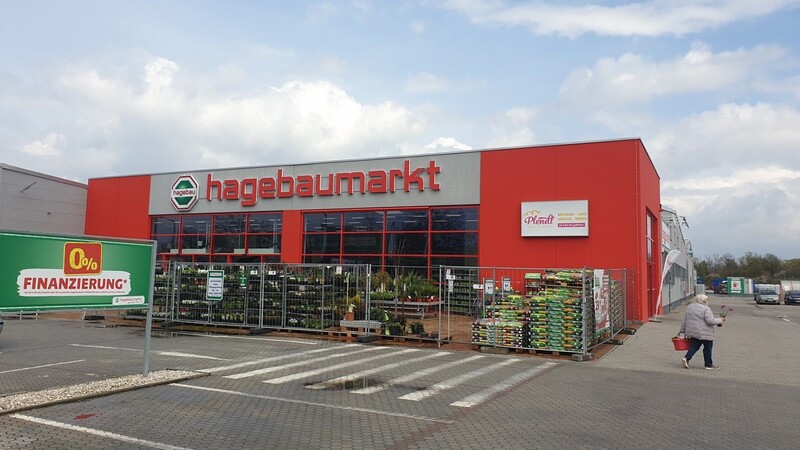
<point>638,395</point>
<point>754,345</point>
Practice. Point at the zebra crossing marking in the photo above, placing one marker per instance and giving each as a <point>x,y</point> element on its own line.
<point>414,376</point>
<point>270,359</point>
<point>364,373</point>
<point>306,362</point>
<point>311,373</point>
<point>455,381</point>
<point>508,383</point>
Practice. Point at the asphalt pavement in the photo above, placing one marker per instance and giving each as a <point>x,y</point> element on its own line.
<point>291,392</point>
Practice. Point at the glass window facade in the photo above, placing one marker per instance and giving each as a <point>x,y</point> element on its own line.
<point>416,237</point>
<point>218,237</point>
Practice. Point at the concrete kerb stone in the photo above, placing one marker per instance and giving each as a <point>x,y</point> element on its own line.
<point>93,389</point>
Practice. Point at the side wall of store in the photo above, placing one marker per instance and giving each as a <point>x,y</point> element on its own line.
<point>621,185</point>
<point>39,203</point>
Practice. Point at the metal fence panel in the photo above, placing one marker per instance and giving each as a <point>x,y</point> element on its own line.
<point>566,310</point>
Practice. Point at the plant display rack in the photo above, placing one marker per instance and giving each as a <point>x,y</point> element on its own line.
<point>549,316</point>
<point>505,324</point>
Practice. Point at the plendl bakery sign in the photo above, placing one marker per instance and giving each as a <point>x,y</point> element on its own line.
<point>42,272</point>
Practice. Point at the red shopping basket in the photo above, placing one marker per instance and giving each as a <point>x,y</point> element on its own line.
<point>681,343</point>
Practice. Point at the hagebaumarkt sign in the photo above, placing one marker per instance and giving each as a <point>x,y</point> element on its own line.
<point>42,272</point>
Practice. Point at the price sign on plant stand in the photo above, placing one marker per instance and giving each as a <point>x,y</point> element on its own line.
<point>216,279</point>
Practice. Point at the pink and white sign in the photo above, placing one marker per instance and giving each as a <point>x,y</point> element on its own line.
<point>562,218</point>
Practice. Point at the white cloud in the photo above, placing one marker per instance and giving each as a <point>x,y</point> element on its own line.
<point>426,82</point>
<point>446,144</point>
<point>648,18</point>
<point>149,116</point>
<point>733,172</point>
<point>47,146</point>
<point>328,10</point>
<point>633,78</point>
<point>728,138</point>
<point>513,128</point>
<point>272,53</point>
<point>417,27</point>
<point>756,217</point>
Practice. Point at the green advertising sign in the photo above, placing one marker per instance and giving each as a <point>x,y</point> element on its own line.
<point>41,272</point>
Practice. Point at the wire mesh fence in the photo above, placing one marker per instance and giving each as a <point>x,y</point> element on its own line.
<point>565,310</point>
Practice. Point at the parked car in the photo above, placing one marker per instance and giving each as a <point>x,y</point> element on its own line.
<point>791,297</point>
<point>1,324</point>
<point>767,296</point>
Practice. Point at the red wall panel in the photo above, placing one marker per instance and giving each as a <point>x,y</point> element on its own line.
<point>292,239</point>
<point>118,207</point>
<point>607,174</point>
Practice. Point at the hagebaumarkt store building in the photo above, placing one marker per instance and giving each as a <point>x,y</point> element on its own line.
<point>593,204</point>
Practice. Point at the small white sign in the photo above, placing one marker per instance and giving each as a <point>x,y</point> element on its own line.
<point>214,285</point>
<point>488,287</point>
<point>131,300</point>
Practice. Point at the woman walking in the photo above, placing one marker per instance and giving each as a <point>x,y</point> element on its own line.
<point>698,325</point>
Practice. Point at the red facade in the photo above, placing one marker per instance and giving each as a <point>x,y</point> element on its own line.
<point>616,177</point>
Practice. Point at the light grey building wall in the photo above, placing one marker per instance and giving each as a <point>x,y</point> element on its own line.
<point>679,284</point>
<point>39,203</point>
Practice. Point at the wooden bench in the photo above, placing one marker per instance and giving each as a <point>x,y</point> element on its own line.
<point>360,326</point>
<point>409,308</point>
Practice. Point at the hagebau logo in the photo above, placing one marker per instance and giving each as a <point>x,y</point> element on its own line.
<point>184,193</point>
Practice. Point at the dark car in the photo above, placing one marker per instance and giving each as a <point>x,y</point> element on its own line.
<point>791,297</point>
<point>1,324</point>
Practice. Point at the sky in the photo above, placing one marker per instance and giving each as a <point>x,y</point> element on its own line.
<point>93,89</point>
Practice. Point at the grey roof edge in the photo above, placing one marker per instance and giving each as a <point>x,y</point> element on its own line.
<point>32,173</point>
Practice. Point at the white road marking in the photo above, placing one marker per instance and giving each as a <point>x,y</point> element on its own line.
<point>268,360</point>
<point>321,405</point>
<point>364,373</point>
<point>92,431</point>
<point>480,397</point>
<point>311,373</point>
<point>256,372</point>
<point>108,348</point>
<point>414,376</point>
<point>44,365</point>
<point>190,355</point>
<point>253,338</point>
<point>453,382</point>
<point>176,354</point>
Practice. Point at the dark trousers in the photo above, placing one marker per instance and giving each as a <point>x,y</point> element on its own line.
<point>695,346</point>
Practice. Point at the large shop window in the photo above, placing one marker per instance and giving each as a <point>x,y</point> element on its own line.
<point>415,238</point>
<point>219,237</point>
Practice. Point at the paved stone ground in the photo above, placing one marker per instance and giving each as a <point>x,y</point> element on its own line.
<point>637,395</point>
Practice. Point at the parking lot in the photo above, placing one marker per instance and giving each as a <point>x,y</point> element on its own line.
<point>293,392</point>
